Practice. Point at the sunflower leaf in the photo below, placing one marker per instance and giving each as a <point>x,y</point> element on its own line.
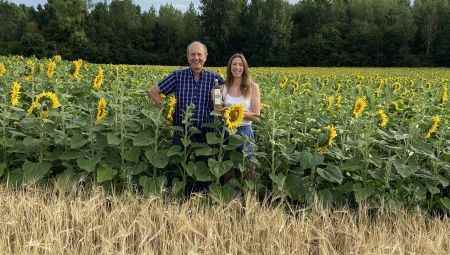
<point>212,138</point>
<point>331,173</point>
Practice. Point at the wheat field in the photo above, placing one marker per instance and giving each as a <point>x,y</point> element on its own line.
<point>39,220</point>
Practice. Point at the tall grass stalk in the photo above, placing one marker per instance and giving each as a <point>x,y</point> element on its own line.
<point>48,221</point>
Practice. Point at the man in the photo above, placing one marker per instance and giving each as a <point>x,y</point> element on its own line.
<point>191,86</point>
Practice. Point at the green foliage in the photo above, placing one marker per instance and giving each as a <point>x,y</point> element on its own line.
<point>268,32</point>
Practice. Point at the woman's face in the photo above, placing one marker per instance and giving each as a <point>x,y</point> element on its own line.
<point>237,67</point>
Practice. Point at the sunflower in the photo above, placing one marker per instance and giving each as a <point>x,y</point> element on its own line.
<point>51,66</point>
<point>98,80</point>
<point>381,85</point>
<point>338,87</point>
<point>233,116</point>
<point>2,69</point>
<point>330,102</point>
<point>57,58</point>
<point>397,86</point>
<point>444,96</point>
<point>37,102</point>
<point>30,67</point>
<point>331,136</point>
<point>284,82</point>
<point>44,113</point>
<point>360,105</point>
<point>396,105</point>
<point>54,101</point>
<point>296,87</point>
<point>338,102</point>
<point>101,110</point>
<point>435,121</point>
<point>383,118</point>
<point>34,105</point>
<point>86,66</point>
<point>172,102</point>
<point>76,66</point>
<point>15,93</point>
<point>30,70</point>
<point>219,71</point>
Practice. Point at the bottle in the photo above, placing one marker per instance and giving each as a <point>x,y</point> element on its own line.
<point>217,96</point>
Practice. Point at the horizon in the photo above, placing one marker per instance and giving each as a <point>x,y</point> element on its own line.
<point>145,5</point>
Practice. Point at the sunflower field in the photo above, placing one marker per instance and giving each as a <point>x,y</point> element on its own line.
<point>342,135</point>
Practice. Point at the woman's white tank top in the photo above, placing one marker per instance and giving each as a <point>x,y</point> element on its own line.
<point>230,100</point>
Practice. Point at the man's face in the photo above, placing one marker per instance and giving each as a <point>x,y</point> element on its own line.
<point>196,57</point>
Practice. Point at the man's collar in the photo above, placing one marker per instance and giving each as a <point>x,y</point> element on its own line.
<point>200,75</point>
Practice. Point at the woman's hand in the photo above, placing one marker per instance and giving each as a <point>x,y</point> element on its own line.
<point>251,116</point>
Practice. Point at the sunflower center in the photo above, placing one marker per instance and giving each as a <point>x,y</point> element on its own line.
<point>234,115</point>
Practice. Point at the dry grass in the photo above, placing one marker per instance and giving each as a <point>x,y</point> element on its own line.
<point>39,221</point>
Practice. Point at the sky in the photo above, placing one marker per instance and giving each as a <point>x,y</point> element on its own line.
<point>145,4</point>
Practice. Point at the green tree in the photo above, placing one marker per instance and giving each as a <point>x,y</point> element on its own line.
<point>220,21</point>
<point>168,31</point>
<point>441,54</point>
<point>13,19</point>
<point>100,34</point>
<point>126,20</point>
<point>65,23</point>
<point>398,30</point>
<point>429,16</point>
<point>147,37</point>
<point>267,32</point>
<point>191,25</point>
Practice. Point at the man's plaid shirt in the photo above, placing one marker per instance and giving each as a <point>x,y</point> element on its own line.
<point>189,91</point>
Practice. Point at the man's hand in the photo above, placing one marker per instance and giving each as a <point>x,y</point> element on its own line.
<point>219,109</point>
<point>154,95</point>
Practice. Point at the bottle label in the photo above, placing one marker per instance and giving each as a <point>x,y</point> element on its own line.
<point>217,97</point>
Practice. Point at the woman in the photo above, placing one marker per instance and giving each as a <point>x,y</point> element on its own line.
<point>241,89</point>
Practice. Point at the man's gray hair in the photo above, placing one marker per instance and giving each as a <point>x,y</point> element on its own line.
<point>196,42</point>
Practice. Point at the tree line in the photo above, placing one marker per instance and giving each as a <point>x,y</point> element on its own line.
<point>268,32</point>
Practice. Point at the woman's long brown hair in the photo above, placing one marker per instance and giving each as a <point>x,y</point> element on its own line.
<point>246,81</point>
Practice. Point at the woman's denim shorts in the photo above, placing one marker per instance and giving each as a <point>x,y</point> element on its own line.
<point>247,131</point>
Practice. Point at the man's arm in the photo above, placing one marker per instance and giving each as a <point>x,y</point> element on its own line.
<point>166,86</point>
<point>154,95</point>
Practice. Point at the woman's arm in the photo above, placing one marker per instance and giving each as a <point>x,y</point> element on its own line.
<point>255,104</point>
